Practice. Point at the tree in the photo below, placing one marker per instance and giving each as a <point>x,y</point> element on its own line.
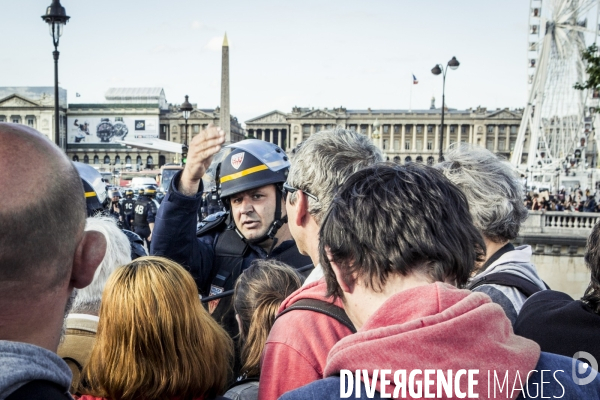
<point>592,59</point>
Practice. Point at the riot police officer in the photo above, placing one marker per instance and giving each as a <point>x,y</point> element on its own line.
<point>96,196</point>
<point>144,212</point>
<point>127,209</point>
<point>250,180</point>
<point>113,206</point>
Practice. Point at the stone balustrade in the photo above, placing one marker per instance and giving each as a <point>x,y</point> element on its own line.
<point>560,223</point>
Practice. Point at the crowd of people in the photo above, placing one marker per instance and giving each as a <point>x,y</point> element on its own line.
<point>330,266</point>
<point>577,202</point>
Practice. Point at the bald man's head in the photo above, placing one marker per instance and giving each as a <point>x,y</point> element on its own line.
<point>42,213</point>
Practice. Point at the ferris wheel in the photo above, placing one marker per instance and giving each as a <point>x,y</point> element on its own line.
<point>554,116</point>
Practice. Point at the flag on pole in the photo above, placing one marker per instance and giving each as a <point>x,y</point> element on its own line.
<point>415,80</point>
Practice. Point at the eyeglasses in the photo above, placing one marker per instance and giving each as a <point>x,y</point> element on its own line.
<point>290,189</point>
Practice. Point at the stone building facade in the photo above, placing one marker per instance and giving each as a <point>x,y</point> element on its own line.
<point>403,135</point>
<point>34,106</point>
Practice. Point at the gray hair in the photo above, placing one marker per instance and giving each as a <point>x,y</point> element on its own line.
<point>492,189</point>
<point>118,252</point>
<point>323,162</point>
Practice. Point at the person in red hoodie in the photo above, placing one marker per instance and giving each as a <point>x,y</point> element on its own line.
<point>396,245</point>
<point>298,344</point>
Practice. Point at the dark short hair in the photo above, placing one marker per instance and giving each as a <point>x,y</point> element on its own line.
<point>391,219</point>
<point>592,261</point>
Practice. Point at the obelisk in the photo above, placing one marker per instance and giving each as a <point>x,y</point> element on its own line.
<point>225,120</point>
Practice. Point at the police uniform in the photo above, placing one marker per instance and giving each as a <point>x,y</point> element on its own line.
<point>220,253</point>
<point>144,213</point>
<point>127,206</point>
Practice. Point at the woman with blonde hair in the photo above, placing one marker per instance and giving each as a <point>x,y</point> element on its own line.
<point>258,293</point>
<point>155,340</point>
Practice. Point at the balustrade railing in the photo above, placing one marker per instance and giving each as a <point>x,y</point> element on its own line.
<point>560,222</point>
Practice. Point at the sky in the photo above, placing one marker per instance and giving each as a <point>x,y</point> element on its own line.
<point>327,53</point>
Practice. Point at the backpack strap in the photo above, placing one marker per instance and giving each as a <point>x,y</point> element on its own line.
<point>523,285</point>
<point>322,307</point>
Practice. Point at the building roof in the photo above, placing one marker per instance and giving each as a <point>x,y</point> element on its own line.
<point>134,93</point>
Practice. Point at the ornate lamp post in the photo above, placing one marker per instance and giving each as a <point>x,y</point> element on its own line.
<point>439,69</point>
<point>56,17</point>
<point>186,108</point>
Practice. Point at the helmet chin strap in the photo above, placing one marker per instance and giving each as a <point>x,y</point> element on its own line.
<point>277,223</point>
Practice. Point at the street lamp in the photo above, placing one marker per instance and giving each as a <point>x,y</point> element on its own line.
<point>56,17</point>
<point>439,69</point>
<point>186,108</point>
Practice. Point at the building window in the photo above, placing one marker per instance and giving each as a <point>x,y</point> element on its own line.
<point>386,129</point>
<point>86,159</point>
<point>419,159</point>
<point>128,160</point>
<point>408,129</point>
<point>106,159</point>
<point>463,129</point>
<point>2,118</point>
<point>429,145</point>
<point>318,128</point>
<point>490,129</point>
<point>329,126</point>
<point>512,145</point>
<point>502,129</point>
<point>75,158</point>
<point>407,145</point>
<point>452,128</point>
<point>149,161</point>
<point>118,160</point>
<point>306,129</point>
<point>430,160</point>
<point>419,129</point>
<point>385,144</point>
<point>407,159</point>
<point>363,129</point>
<point>16,120</point>
<point>138,160</point>
<point>501,144</point>
<point>396,128</point>
<point>513,129</point>
<point>96,159</point>
<point>195,128</point>
<point>30,122</point>
<point>489,144</point>
<point>429,128</point>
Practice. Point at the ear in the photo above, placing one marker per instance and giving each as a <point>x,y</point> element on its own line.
<point>302,207</point>
<point>346,288</point>
<point>88,255</point>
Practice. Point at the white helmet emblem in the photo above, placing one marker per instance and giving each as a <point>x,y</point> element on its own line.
<point>236,160</point>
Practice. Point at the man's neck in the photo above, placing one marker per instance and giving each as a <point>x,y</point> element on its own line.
<point>282,235</point>
<point>491,248</point>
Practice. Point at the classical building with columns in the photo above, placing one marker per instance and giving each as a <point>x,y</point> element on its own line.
<point>403,135</point>
<point>34,106</point>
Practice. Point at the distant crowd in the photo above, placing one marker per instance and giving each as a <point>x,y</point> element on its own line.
<point>577,202</point>
<point>331,274</point>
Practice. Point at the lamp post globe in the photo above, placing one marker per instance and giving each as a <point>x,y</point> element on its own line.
<point>56,17</point>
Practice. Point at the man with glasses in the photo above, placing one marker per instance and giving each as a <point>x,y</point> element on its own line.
<point>301,338</point>
<point>250,179</point>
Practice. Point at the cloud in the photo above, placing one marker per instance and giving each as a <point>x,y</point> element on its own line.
<point>215,43</point>
<point>196,25</point>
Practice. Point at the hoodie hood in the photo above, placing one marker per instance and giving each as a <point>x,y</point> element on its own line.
<point>21,363</point>
<point>315,290</point>
<point>437,327</point>
<point>517,262</point>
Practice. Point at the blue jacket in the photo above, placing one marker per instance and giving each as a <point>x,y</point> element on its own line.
<point>567,389</point>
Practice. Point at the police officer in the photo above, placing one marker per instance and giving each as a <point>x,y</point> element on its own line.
<point>127,209</point>
<point>114,208</point>
<point>144,212</point>
<point>95,196</point>
<point>250,179</point>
